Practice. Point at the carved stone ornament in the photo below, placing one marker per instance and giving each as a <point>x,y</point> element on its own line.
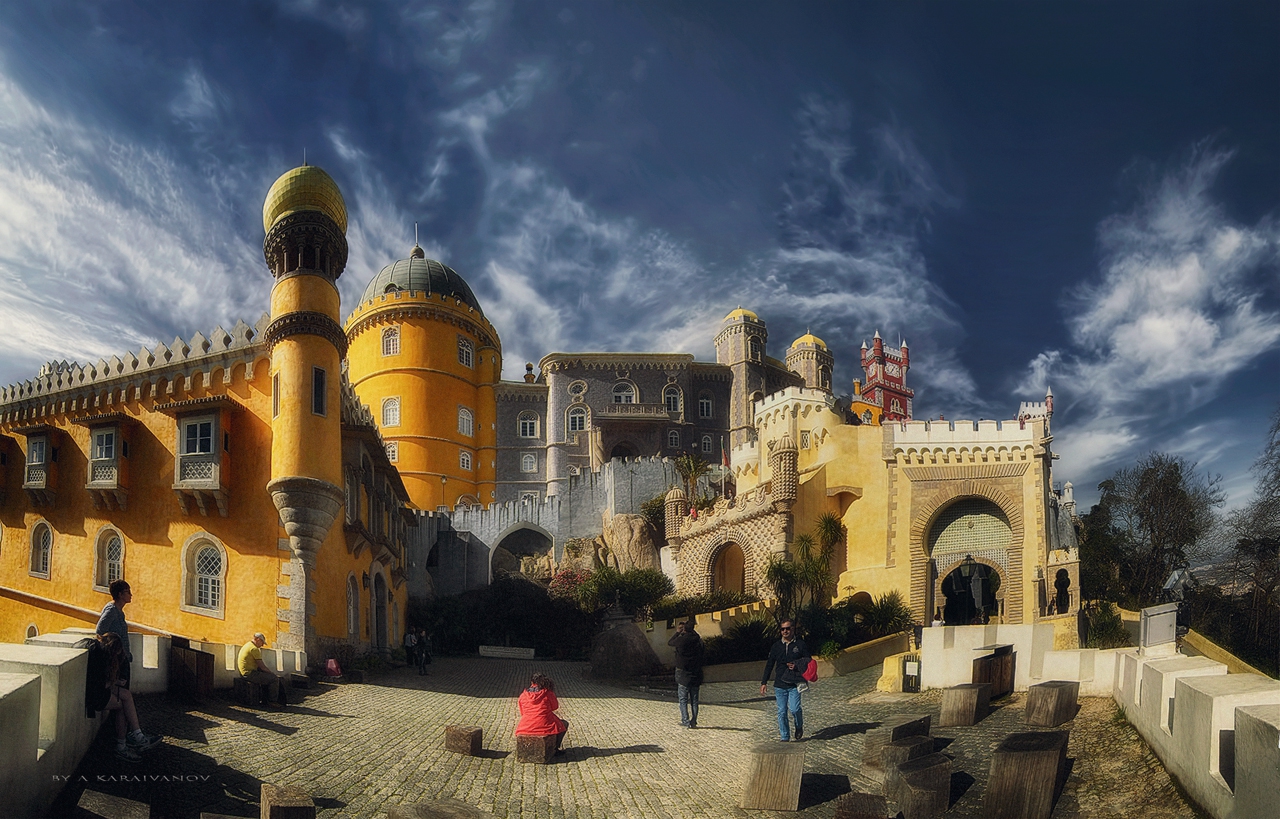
<point>306,323</point>
<point>308,507</point>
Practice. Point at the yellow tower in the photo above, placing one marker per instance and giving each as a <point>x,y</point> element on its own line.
<point>305,248</point>
<point>425,359</point>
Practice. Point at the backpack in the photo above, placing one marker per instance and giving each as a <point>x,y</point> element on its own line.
<point>811,673</point>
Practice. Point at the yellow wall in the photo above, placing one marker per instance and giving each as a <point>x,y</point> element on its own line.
<point>431,384</point>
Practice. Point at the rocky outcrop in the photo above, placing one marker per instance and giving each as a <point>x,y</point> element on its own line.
<point>631,543</point>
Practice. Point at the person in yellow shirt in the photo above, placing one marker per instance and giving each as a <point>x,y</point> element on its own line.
<point>253,669</point>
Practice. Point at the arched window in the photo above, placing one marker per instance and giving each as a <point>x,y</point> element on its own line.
<point>528,462</point>
<point>673,438</point>
<point>464,460</point>
<point>705,406</point>
<point>353,606</point>
<point>391,412</point>
<point>896,407</point>
<point>824,377</point>
<point>391,341</point>
<point>624,393</point>
<point>108,559</point>
<point>466,422</point>
<point>757,350</point>
<point>706,444</point>
<point>466,352</point>
<point>528,425</point>
<point>671,397</point>
<point>577,419</point>
<point>393,451</point>
<point>204,576</point>
<point>41,550</point>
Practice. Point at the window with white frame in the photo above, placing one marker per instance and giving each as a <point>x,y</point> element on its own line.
<point>319,391</point>
<point>528,462</point>
<point>391,412</point>
<point>624,393</point>
<point>528,425</point>
<point>466,352</point>
<point>706,444</point>
<point>391,341</point>
<point>41,550</point>
<point>108,559</point>
<point>38,451</point>
<point>577,419</point>
<point>671,397</point>
<point>204,576</point>
<point>464,460</point>
<point>104,445</point>
<point>393,451</point>
<point>705,406</point>
<point>673,438</point>
<point>896,407</point>
<point>353,606</point>
<point>197,436</point>
<point>466,422</point>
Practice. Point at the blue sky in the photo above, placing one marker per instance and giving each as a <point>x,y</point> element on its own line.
<point>1081,195</point>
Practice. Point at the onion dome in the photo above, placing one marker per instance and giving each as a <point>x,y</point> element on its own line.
<point>302,189</point>
<point>741,314</point>
<point>809,338</point>
<point>422,275</point>
<point>676,494</point>
<point>786,444</point>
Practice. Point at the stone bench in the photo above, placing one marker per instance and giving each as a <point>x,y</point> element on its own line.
<point>285,802</point>
<point>1024,775</point>
<point>894,728</point>
<point>464,739</point>
<point>921,787</point>
<point>1049,704</point>
<point>535,749</point>
<point>965,704</point>
<point>861,806</point>
<point>773,779</point>
<point>246,691</point>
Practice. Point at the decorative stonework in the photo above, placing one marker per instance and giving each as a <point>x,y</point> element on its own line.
<point>315,236</point>
<point>750,521</point>
<point>306,322</point>
<point>957,473</point>
<point>395,308</point>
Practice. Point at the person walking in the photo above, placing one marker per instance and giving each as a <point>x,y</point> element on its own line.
<point>410,647</point>
<point>104,692</point>
<point>790,657</point>
<point>538,706</point>
<point>112,621</point>
<point>252,668</point>
<point>689,660</point>
<point>424,651</point>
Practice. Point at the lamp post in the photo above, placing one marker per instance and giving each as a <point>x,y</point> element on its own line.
<point>972,582</point>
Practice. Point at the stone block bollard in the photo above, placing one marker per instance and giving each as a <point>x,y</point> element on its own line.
<point>1049,704</point>
<point>285,802</point>
<point>922,786</point>
<point>535,749</point>
<point>966,704</point>
<point>463,739</point>
<point>861,806</point>
<point>773,780</point>
<point>893,729</point>
<point>1024,775</point>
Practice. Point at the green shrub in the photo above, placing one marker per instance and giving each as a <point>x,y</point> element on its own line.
<point>1106,629</point>
<point>748,639</point>
<point>887,614</point>
<point>635,589</point>
<point>680,608</point>
<point>829,650</point>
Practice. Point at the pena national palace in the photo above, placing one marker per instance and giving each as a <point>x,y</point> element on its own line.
<point>308,475</point>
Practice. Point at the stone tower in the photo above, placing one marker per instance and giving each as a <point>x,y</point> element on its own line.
<point>809,357</point>
<point>740,344</point>
<point>886,384</point>
<point>305,249</point>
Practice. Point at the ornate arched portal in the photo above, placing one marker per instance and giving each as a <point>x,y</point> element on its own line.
<point>977,527</point>
<point>729,569</point>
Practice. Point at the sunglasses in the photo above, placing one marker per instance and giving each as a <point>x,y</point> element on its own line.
<point>787,628</point>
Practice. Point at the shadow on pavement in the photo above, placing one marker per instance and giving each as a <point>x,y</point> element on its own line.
<point>837,731</point>
<point>816,788</point>
<point>960,784</point>
<point>581,752</point>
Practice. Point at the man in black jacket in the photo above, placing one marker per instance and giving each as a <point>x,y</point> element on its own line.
<point>689,658</point>
<point>790,656</point>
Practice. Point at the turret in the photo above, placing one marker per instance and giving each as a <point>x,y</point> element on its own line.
<point>305,249</point>
<point>740,344</point>
<point>811,359</point>
<point>676,506</point>
<point>784,464</point>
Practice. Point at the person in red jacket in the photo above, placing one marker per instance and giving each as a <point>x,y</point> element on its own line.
<point>538,706</point>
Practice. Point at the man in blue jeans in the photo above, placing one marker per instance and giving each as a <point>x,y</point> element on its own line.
<point>689,658</point>
<point>790,656</point>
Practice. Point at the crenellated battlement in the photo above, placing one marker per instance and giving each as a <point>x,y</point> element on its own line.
<point>179,361</point>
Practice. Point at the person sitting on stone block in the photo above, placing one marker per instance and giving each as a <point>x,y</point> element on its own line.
<point>253,669</point>
<point>538,706</point>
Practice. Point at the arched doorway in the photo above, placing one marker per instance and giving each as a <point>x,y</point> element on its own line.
<point>524,550</point>
<point>729,572</point>
<point>1062,591</point>
<point>379,612</point>
<point>969,594</point>
<point>622,451</point>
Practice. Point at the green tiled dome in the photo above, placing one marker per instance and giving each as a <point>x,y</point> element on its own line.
<point>422,275</point>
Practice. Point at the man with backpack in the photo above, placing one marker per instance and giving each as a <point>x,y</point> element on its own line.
<point>790,657</point>
<point>689,658</point>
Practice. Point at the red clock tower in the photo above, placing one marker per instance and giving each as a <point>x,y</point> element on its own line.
<point>887,379</point>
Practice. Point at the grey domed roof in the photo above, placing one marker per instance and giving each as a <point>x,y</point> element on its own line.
<point>422,275</point>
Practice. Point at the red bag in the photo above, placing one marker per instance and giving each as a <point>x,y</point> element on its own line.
<point>811,673</point>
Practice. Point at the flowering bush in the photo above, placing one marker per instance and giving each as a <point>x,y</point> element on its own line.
<point>566,584</point>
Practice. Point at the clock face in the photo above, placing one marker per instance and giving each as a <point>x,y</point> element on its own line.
<point>893,369</point>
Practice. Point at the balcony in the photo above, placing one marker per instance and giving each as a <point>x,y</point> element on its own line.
<point>198,479</point>
<point>637,412</point>
<point>107,485</point>
<point>38,481</point>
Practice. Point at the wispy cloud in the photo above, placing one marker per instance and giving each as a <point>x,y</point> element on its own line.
<point>1177,308</point>
<point>102,246</point>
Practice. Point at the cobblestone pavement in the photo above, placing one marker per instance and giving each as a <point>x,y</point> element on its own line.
<point>360,749</point>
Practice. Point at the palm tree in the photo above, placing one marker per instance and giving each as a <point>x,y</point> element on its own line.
<point>691,468</point>
<point>888,614</point>
<point>783,579</point>
<point>829,530</point>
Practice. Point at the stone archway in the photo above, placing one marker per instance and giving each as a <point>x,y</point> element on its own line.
<point>926,575</point>
<point>623,450</point>
<point>525,549</point>
<point>729,568</point>
<point>962,599</point>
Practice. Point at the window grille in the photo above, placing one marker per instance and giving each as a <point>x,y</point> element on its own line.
<point>115,559</point>
<point>391,412</point>
<point>528,425</point>
<point>208,578</point>
<point>42,546</point>
<point>970,525</point>
<point>391,341</point>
